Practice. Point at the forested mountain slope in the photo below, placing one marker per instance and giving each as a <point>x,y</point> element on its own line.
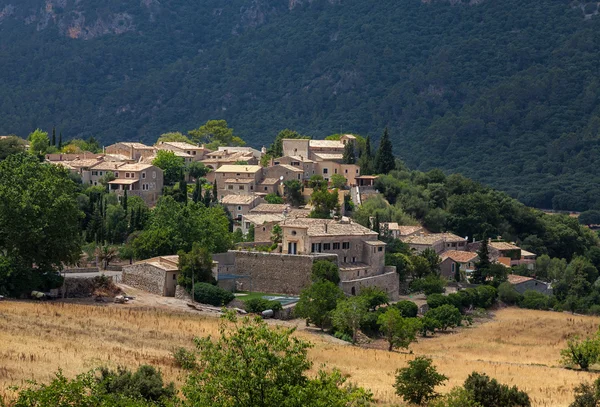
<point>505,91</point>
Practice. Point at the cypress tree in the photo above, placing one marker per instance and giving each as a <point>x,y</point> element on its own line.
<point>124,201</point>
<point>215,197</point>
<point>207,198</point>
<point>368,151</point>
<point>54,136</point>
<point>384,160</point>
<point>349,154</point>
<point>197,194</point>
<point>60,141</point>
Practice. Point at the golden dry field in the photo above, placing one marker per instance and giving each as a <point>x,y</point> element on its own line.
<point>518,347</point>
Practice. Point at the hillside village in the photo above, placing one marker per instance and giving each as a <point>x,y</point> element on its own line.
<point>244,183</point>
<point>332,232</point>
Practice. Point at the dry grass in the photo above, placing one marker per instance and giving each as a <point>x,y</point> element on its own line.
<point>518,347</point>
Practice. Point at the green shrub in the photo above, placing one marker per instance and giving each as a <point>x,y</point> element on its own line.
<point>369,325</point>
<point>258,305</point>
<point>436,300</point>
<point>145,383</point>
<point>408,309</point>
<point>184,358</point>
<point>508,294</point>
<point>489,393</point>
<point>534,300</point>
<point>428,285</point>
<point>325,270</point>
<point>343,336</point>
<point>210,294</point>
<point>447,315</point>
<point>486,296</point>
<point>374,296</point>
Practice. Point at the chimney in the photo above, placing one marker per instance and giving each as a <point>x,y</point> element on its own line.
<point>325,227</point>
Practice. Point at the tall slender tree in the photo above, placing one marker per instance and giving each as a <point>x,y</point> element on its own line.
<point>349,156</point>
<point>60,141</point>
<point>197,194</point>
<point>215,193</point>
<point>53,136</point>
<point>384,160</point>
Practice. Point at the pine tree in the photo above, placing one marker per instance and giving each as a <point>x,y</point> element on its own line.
<point>53,136</point>
<point>349,154</point>
<point>384,160</point>
<point>60,141</point>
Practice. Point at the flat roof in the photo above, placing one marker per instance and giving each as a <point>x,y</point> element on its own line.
<point>238,199</point>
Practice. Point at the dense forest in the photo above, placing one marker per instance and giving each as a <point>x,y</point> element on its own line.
<point>504,92</point>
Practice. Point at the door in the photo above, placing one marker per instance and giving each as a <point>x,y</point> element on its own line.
<point>292,248</point>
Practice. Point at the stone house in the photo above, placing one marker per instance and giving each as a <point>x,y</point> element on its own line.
<point>132,151</point>
<point>216,159</point>
<point>400,231</point>
<point>190,152</point>
<point>440,242</point>
<point>281,209</point>
<point>157,275</point>
<point>240,205</point>
<point>262,223</point>
<point>510,254</point>
<point>308,166</point>
<point>361,256</point>
<point>522,284</point>
<point>452,259</point>
<point>245,150</point>
<point>284,172</point>
<point>143,180</point>
<point>238,179</point>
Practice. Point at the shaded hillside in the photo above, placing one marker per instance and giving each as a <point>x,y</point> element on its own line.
<point>503,91</point>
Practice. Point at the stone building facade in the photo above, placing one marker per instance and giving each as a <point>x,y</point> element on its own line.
<point>157,275</point>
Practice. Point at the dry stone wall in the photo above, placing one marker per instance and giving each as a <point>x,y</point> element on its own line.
<point>276,272</point>
<point>388,281</point>
<point>145,277</point>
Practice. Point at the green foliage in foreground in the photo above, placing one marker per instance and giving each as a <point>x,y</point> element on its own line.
<point>253,365</point>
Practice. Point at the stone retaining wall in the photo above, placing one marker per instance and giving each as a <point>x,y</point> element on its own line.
<point>182,294</point>
<point>276,272</point>
<point>388,282</point>
<point>145,277</point>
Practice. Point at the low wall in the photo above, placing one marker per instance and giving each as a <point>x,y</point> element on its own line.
<point>182,294</point>
<point>275,272</point>
<point>388,281</point>
<point>145,277</point>
<point>81,270</point>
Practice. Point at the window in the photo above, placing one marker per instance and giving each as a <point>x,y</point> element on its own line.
<point>143,175</point>
<point>336,246</point>
<point>126,175</point>
<point>247,225</point>
<point>452,267</point>
<point>345,245</point>
<point>264,229</point>
<point>326,246</point>
<point>238,174</point>
<point>353,259</point>
<point>276,162</point>
<point>335,170</point>
<point>346,171</point>
<point>357,170</point>
<point>325,170</point>
<point>251,187</point>
<point>293,233</point>
<point>380,249</point>
<point>296,163</point>
<point>100,173</point>
<point>174,276</point>
<point>229,186</point>
<point>94,172</point>
<point>116,175</point>
<point>241,187</point>
<point>316,248</point>
<point>345,260</point>
<point>265,188</point>
<point>239,208</point>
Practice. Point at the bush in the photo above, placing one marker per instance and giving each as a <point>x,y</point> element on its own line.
<point>468,297</point>
<point>184,358</point>
<point>508,294</point>
<point>436,300</point>
<point>258,305</point>
<point>374,296</point>
<point>369,325</point>
<point>428,285</point>
<point>408,309</point>
<point>583,353</point>
<point>447,315</point>
<point>343,336</point>
<point>416,383</point>
<point>489,393</point>
<point>145,383</point>
<point>534,300</point>
<point>486,296</point>
<point>210,294</point>
<point>325,270</point>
